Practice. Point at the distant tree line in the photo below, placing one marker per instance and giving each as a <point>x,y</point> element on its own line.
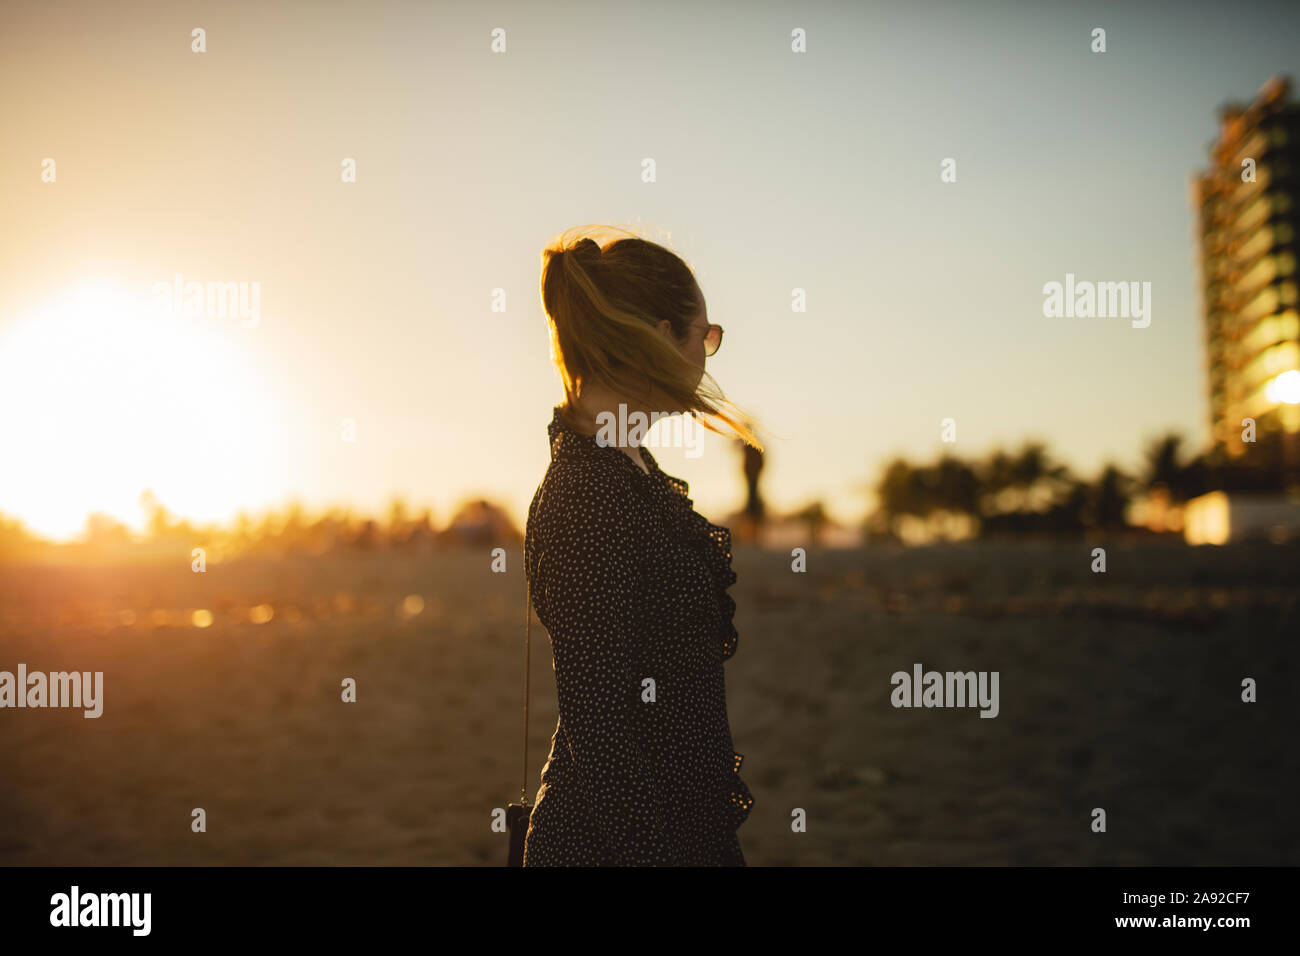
<point>1026,492</point>
<point>287,531</point>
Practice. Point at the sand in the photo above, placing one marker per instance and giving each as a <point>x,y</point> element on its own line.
<point>1119,690</point>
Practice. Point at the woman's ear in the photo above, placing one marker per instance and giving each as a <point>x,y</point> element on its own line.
<point>665,328</point>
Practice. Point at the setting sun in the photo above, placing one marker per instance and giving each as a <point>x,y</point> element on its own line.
<point>105,395</point>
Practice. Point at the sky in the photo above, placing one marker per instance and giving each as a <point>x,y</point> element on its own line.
<point>775,171</point>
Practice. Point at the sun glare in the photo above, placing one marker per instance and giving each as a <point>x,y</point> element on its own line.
<point>102,396</point>
<point>1285,388</point>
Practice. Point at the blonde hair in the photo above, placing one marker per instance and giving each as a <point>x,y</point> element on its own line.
<point>603,305</point>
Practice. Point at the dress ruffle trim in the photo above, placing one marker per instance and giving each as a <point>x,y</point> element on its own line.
<point>691,527</point>
<point>739,801</point>
<point>714,542</point>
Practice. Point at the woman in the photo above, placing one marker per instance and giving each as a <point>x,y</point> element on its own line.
<point>629,581</point>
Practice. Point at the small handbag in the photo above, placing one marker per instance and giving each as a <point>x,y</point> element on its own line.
<point>519,814</point>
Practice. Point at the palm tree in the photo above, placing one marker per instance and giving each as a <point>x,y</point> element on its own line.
<point>1161,462</point>
<point>898,490</point>
<point>995,475</point>
<point>814,515</point>
<point>1027,471</point>
<point>956,485</point>
<point>1109,497</point>
<point>1033,469</point>
<point>1029,465</point>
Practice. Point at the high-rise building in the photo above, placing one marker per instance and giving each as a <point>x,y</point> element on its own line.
<point>1246,214</point>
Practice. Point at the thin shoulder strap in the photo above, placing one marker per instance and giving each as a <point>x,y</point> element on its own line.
<point>528,620</point>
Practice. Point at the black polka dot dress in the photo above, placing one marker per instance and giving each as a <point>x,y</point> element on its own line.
<point>631,585</point>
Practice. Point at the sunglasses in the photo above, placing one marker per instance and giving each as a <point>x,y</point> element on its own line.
<point>712,339</point>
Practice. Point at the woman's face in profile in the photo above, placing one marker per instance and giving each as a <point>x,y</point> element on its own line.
<point>692,347</point>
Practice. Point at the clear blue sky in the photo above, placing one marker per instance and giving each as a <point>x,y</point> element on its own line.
<point>775,170</point>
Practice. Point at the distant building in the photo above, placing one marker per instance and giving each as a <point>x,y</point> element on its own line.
<point>1246,215</point>
<point>1219,518</point>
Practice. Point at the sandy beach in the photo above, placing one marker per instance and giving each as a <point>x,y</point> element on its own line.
<point>1119,690</point>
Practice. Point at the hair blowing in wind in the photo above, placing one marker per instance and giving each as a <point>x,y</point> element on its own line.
<point>603,305</point>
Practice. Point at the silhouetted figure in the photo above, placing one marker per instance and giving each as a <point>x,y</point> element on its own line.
<point>753,514</point>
